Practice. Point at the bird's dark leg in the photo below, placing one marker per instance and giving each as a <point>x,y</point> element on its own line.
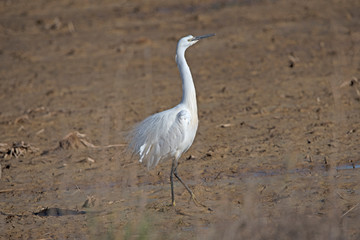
<point>183,183</point>
<point>172,183</point>
<point>174,170</point>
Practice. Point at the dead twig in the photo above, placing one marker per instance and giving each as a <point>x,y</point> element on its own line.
<point>11,190</point>
<point>350,210</point>
<point>16,150</point>
<point>113,145</point>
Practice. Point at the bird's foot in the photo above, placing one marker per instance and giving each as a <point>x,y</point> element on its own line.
<point>173,203</point>
<point>197,203</point>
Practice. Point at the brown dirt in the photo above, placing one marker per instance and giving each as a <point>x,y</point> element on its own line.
<point>279,109</point>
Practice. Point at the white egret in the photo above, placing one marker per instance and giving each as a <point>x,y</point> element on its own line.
<point>168,134</point>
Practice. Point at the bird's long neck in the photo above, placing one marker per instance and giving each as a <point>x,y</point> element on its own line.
<point>189,93</point>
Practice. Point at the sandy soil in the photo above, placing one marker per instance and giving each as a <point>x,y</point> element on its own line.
<point>277,151</point>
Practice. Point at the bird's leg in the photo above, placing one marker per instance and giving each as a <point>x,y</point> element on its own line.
<point>197,203</point>
<point>172,183</point>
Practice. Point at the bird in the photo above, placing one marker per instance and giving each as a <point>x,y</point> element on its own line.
<point>168,134</point>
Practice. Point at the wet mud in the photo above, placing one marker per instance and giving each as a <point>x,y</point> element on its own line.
<point>277,151</point>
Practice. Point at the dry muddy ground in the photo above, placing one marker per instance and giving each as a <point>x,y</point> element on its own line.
<point>277,152</point>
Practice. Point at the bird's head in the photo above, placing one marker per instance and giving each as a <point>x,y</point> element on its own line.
<point>190,40</point>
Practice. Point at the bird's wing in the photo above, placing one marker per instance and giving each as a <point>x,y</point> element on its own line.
<point>161,135</point>
<point>183,118</point>
<point>178,130</point>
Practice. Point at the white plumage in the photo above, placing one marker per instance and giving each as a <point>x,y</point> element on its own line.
<point>164,135</point>
<point>168,134</point>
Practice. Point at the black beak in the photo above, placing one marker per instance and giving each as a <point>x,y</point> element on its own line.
<point>203,36</point>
